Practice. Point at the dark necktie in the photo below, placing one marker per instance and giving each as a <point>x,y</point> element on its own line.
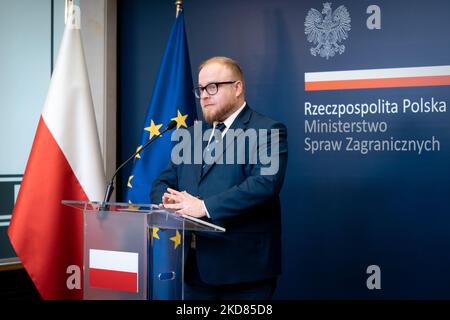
<point>221,127</point>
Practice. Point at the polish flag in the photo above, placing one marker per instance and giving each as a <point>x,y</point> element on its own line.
<point>65,163</point>
<point>116,270</point>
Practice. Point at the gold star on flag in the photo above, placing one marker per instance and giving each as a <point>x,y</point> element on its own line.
<point>153,129</point>
<point>155,232</point>
<point>137,150</point>
<point>180,119</point>
<point>176,240</point>
<point>129,182</point>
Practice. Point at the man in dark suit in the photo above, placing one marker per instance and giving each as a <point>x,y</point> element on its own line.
<point>239,192</point>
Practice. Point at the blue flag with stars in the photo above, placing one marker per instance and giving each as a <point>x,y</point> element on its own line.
<point>172,99</point>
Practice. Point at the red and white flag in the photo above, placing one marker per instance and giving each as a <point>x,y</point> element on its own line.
<point>116,270</point>
<point>65,163</point>
<point>378,78</point>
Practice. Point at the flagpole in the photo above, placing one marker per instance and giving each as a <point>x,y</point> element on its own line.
<point>179,4</point>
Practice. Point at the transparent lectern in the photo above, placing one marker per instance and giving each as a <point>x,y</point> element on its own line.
<point>122,259</point>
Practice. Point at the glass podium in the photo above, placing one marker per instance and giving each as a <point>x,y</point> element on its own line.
<point>128,253</point>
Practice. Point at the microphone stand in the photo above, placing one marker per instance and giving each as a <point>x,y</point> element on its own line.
<point>110,187</point>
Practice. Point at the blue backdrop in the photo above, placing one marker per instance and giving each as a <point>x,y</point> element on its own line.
<point>342,210</point>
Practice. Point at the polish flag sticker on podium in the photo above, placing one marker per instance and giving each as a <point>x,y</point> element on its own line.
<point>115,270</point>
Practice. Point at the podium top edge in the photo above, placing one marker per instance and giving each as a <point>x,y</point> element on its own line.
<point>98,203</point>
<point>136,208</point>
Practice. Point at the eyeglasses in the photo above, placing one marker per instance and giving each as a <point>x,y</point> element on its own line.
<point>211,88</point>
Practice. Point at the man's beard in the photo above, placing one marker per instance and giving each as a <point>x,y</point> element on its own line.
<point>218,115</point>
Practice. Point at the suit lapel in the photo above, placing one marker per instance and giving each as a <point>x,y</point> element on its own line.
<point>241,122</point>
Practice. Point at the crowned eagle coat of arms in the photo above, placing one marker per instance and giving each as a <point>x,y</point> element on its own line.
<point>327,29</point>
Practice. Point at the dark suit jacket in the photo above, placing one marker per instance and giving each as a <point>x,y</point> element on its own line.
<point>240,199</point>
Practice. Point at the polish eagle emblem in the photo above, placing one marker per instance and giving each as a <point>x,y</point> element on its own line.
<point>327,29</point>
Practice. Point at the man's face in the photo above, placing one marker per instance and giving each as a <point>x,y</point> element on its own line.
<point>219,106</point>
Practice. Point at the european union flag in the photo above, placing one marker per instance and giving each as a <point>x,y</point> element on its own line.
<point>172,99</point>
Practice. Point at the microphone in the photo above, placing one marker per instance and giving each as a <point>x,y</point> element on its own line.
<point>110,188</point>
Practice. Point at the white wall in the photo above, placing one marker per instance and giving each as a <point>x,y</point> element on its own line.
<point>25,62</point>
